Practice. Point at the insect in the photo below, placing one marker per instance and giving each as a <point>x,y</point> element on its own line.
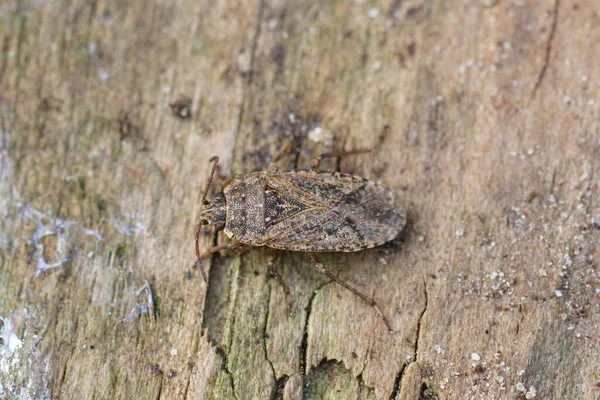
<point>307,210</point>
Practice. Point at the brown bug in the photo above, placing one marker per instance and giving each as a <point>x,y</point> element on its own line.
<point>302,210</point>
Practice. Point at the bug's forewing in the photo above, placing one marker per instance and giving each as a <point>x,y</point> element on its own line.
<point>339,213</point>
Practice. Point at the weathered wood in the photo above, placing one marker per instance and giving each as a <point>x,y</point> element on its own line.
<point>482,117</point>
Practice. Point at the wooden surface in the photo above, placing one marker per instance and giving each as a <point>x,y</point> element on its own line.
<point>482,116</point>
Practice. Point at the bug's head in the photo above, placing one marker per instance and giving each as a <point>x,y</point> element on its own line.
<point>215,213</point>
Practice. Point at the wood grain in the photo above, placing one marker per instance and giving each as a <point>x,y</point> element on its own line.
<point>481,116</point>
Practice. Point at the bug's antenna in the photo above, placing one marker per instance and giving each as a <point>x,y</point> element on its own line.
<point>214,159</point>
<point>199,260</point>
<point>317,160</point>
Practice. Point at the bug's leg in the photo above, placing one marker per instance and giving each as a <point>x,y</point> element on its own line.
<point>209,252</point>
<point>241,249</point>
<point>273,165</point>
<point>317,160</point>
<point>215,161</point>
<point>198,261</point>
<point>272,270</point>
<point>340,282</point>
<point>216,249</point>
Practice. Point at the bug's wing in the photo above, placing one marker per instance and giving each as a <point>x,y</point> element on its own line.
<point>339,212</point>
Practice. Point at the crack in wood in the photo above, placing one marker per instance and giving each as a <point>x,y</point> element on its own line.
<point>361,385</point>
<point>304,343</point>
<point>63,377</point>
<point>225,367</point>
<point>254,46</point>
<point>160,386</point>
<point>548,49</point>
<point>195,346</point>
<point>265,336</point>
<point>416,352</point>
<point>187,384</point>
<point>518,329</point>
<point>278,389</point>
<point>396,389</point>
<point>359,377</point>
<point>226,360</point>
<point>400,375</point>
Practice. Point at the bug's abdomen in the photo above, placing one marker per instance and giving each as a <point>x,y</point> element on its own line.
<point>245,209</point>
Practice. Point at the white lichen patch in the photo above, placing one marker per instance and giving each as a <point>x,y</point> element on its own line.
<point>141,309</point>
<point>9,342</point>
<point>23,372</point>
<point>130,225</point>
<point>63,229</point>
<point>438,349</point>
<point>9,356</point>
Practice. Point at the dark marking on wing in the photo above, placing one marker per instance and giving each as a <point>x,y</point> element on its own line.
<point>329,230</point>
<point>279,207</point>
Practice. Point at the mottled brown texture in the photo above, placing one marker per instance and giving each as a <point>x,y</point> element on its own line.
<point>307,210</point>
<point>483,118</point>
